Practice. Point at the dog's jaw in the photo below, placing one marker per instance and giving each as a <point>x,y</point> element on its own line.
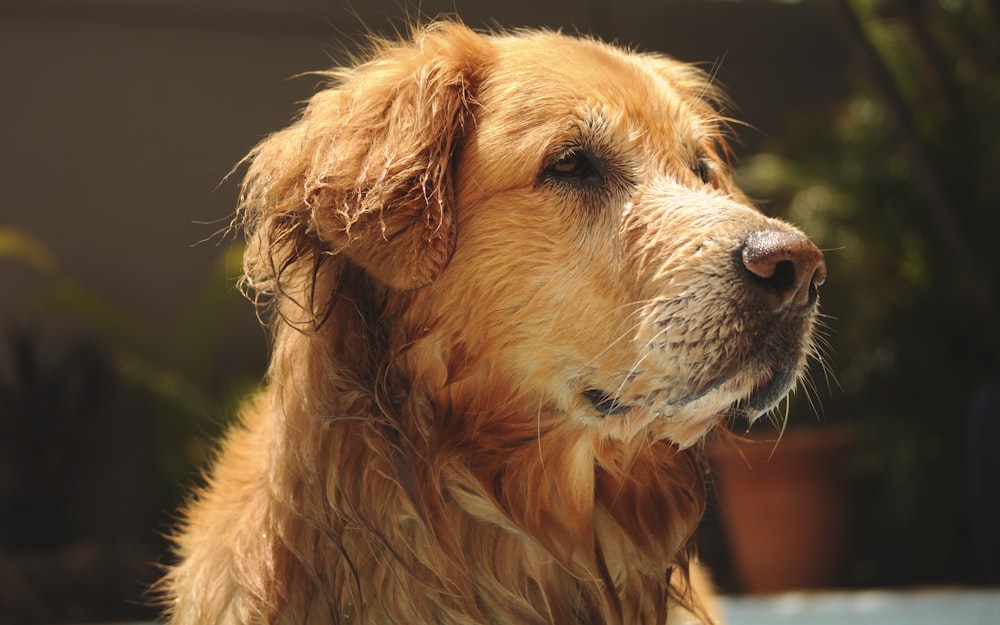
<point>685,411</point>
<point>682,423</point>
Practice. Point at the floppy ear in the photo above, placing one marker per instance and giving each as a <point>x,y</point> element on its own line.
<point>366,172</point>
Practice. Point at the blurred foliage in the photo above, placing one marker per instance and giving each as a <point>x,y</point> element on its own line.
<point>21,247</point>
<point>898,184</point>
<point>103,426</point>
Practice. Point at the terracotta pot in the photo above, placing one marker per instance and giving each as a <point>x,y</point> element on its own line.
<point>787,508</point>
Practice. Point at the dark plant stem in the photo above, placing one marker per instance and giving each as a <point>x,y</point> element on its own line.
<point>943,211</point>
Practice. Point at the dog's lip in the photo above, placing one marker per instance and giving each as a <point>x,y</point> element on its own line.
<point>606,403</point>
<point>609,404</point>
<point>768,387</point>
<point>766,392</point>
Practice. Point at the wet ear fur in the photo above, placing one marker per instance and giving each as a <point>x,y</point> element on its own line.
<point>366,172</point>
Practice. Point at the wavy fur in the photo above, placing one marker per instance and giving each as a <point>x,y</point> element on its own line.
<point>445,298</point>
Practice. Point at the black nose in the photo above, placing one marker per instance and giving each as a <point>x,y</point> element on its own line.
<point>786,266</point>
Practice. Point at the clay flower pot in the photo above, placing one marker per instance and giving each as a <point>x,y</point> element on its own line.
<point>787,508</point>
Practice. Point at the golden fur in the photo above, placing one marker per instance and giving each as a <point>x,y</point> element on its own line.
<point>507,311</point>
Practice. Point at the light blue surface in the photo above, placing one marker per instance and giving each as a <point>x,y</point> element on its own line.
<point>870,607</point>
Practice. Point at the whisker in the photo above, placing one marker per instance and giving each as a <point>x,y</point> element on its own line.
<point>826,250</point>
<point>638,361</point>
<point>614,342</point>
<point>538,437</point>
<point>708,86</point>
<point>630,330</point>
<point>783,425</point>
<point>821,352</point>
<point>808,385</point>
<point>628,376</point>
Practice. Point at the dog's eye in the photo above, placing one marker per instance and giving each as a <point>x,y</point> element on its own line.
<point>575,165</point>
<point>703,169</point>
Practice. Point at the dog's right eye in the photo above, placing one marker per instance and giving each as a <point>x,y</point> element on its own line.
<point>576,165</point>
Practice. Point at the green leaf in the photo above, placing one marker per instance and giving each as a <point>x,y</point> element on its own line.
<point>20,246</point>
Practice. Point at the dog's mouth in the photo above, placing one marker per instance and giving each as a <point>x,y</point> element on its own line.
<point>769,389</point>
<point>758,395</point>
<point>606,404</point>
<point>609,404</point>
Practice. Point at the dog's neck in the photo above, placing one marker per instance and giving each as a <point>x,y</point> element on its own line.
<point>580,526</point>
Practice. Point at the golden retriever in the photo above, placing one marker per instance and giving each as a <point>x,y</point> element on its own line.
<point>514,287</point>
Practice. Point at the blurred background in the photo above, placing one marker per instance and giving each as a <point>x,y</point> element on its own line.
<point>124,346</point>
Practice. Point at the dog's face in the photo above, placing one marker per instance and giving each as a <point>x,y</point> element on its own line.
<point>555,246</point>
<point>601,249</point>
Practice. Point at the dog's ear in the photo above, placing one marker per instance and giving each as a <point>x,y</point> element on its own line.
<point>366,172</point>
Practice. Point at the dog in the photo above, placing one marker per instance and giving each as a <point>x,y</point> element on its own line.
<point>513,287</point>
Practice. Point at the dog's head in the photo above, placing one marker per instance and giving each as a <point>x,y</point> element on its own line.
<point>529,251</point>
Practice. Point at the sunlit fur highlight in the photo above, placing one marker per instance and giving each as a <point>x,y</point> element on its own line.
<point>422,451</point>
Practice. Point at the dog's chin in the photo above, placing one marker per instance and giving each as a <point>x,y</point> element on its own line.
<point>769,389</point>
<point>686,419</point>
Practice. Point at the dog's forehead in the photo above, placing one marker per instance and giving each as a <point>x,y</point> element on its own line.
<point>560,66</point>
<point>539,88</point>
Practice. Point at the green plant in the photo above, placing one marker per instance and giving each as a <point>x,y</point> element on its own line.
<point>898,184</point>
<point>102,431</point>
